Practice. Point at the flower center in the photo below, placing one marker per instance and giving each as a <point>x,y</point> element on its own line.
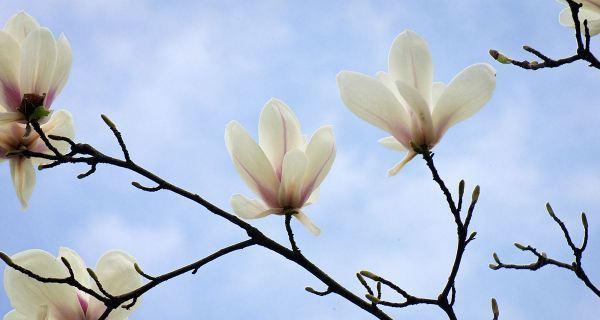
<point>30,103</point>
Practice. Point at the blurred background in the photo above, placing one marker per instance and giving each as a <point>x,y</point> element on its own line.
<point>171,74</point>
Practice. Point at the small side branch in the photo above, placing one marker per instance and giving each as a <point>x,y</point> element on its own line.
<point>543,260</point>
<point>583,52</point>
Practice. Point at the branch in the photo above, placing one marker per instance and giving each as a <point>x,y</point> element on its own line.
<point>543,260</point>
<point>86,154</point>
<point>583,52</point>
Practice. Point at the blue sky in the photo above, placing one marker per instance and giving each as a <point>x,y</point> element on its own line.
<point>171,74</point>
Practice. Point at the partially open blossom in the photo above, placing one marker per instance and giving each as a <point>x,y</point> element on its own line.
<point>407,103</point>
<point>282,169</point>
<point>13,139</point>
<point>34,68</point>
<point>34,300</point>
<point>589,11</point>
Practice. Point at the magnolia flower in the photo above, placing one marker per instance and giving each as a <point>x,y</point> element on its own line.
<point>282,169</point>
<point>589,11</point>
<point>13,140</point>
<point>34,68</point>
<point>33,300</point>
<point>407,103</point>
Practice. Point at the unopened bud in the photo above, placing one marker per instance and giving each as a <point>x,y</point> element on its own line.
<point>372,298</point>
<point>495,308</point>
<point>584,220</point>
<point>500,57</point>
<point>544,255</point>
<point>370,275</point>
<point>550,210</point>
<point>493,266</point>
<point>65,262</point>
<point>92,274</point>
<point>520,246</point>
<point>496,258</point>
<point>475,195</point>
<point>311,290</point>
<point>461,188</point>
<point>108,122</point>
<point>5,258</point>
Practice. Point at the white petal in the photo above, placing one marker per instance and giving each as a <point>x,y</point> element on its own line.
<point>26,294</point>
<point>278,132</point>
<point>251,163</point>
<point>38,59</point>
<point>23,176</point>
<point>320,153</point>
<point>20,25</point>
<point>77,265</point>
<point>250,209</point>
<point>314,196</point>
<point>8,117</point>
<point>410,62</point>
<point>116,273</point>
<point>436,91</point>
<point>566,17</point>
<point>422,125</point>
<point>393,171</point>
<point>391,143</point>
<point>10,60</point>
<point>60,124</point>
<point>594,27</point>
<point>307,223</point>
<point>63,68</point>
<point>373,102</point>
<point>295,163</point>
<point>14,315</point>
<point>466,94</point>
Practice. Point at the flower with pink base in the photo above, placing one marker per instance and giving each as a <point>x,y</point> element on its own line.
<point>33,300</point>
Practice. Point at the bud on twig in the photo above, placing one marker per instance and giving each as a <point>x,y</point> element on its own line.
<point>496,258</point>
<point>5,258</point>
<point>520,246</point>
<point>372,298</point>
<point>93,275</point>
<point>370,275</point>
<point>584,220</point>
<point>500,57</point>
<point>550,210</point>
<point>475,195</point>
<point>495,308</point>
<point>108,122</point>
<point>311,290</point>
<point>461,188</point>
<point>493,266</point>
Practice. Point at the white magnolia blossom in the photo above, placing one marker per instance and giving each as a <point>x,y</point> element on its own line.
<point>13,139</point>
<point>407,103</point>
<point>32,63</point>
<point>34,300</point>
<point>282,169</point>
<point>589,11</point>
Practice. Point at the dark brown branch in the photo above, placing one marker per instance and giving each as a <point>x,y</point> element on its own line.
<point>583,52</point>
<point>543,260</point>
<point>86,154</point>
<point>290,232</point>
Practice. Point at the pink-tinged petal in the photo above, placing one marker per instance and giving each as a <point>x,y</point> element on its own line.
<point>320,153</point>
<point>251,163</point>
<point>394,170</point>
<point>64,60</point>
<point>10,60</point>
<point>422,124</point>
<point>26,294</point>
<point>20,25</point>
<point>307,223</point>
<point>250,209</point>
<point>372,101</point>
<point>295,163</point>
<point>410,62</point>
<point>116,273</point>
<point>23,177</point>
<point>38,61</point>
<point>278,132</point>
<point>470,90</point>
<point>10,117</point>
<point>392,143</point>
<point>77,265</point>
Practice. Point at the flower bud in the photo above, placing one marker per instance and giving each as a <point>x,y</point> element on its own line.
<point>372,298</point>
<point>500,57</point>
<point>108,122</point>
<point>495,308</point>
<point>5,258</point>
<point>493,266</point>
<point>584,220</point>
<point>475,195</point>
<point>520,246</point>
<point>370,275</point>
<point>496,258</point>
<point>461,188</point>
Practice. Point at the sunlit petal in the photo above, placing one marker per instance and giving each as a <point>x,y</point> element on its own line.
<point>295,163</point>
<point>250,209</point>
<point>38,60</point>
<point>320,153</point>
